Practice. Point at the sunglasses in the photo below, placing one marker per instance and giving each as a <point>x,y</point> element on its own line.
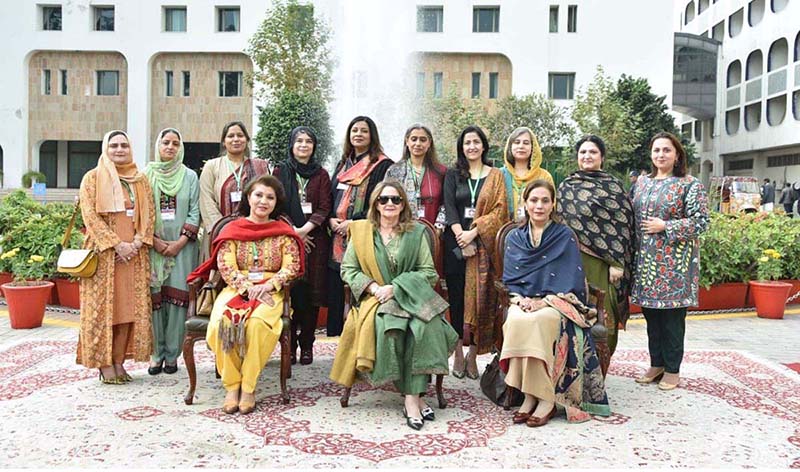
<point>384,199</point>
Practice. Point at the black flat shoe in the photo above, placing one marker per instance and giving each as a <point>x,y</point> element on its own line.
<point>170,369</point>
<point>155,370</point>
<point>428,414</point>
<point>413,423</point>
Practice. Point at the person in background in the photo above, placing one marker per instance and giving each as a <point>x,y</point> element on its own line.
<point>632,177</point>
<point>787,199</point>
<point>176,197</point>
<point>523,160</point>
<point>767,196</point>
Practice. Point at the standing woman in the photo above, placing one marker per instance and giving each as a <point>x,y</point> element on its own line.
<point>117,209</point>
<point>308,204</point>
<point>224,178</point>
<point>174,253</point>
<point>420,173</point>
<point>362,167</point>
<point>523,160</point>
<point>595,205</point>
<point>671,211</point>
<point>475,206</point>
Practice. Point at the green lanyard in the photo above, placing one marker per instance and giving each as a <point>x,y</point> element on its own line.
<point>236,175</point>
<point>301,185</point>
<point>254,251</point>
<point>131,195</point>
<point>417,178</point>
<point>473,192</point>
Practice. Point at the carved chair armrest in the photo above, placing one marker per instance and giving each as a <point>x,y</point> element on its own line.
<point>287,301</point>
<point>503,299</point>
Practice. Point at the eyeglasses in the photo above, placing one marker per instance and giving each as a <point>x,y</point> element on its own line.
<point>384,199</point>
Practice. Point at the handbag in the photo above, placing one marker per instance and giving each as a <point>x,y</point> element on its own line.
<point>206,298</point>
<point>493,385</point>
<point>75,262</point>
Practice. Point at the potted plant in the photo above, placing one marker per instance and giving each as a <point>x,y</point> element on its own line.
<point>769,294</point>
<point>27,295</point>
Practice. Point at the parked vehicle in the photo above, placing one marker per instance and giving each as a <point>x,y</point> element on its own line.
<point>728,194</point>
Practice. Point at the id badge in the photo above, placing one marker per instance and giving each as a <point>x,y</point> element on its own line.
<point>420,212</point>
<point>520,213</point>
<point>168,215</point>
<point>441,217</point>
<point>342,186</point>
<point>236,197</point>
<point>129,212</point>
<point>255,276</point>
<point>306,206</point>
<point>469,212</point>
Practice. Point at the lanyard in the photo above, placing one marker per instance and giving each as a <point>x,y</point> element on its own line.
<point>237,173</point>
<point>417,178</point>
<point>254,251</point>
<point>473,192</point>
<point>131,195</point>
<point>301,185</point>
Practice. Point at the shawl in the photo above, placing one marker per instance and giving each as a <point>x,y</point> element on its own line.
<point>165,177</point>
<point>109,197</point>
<point>251,168</point>
<point>515,185</point>
<point>554,267</point>
<point>430,192</point>
<point>288,171</point>
<point>595,205</point>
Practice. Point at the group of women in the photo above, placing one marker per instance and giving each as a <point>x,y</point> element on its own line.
<point>301,227</point>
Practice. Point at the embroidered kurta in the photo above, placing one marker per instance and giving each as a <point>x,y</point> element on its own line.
<point>118,292</point>
<point>215,201</point>
<point>423,190</point>
<point>667,266</point>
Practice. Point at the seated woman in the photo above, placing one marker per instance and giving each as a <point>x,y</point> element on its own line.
<point>256,256</point>
<point>548,350</point>
<point>395,330</point>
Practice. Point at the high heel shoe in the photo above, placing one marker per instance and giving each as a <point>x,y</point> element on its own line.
<point>428,414</point>
<point>247,406</point>
<point>170,368</point>
<point>112,381</point>
<point>472,375</point>
<point>535,421</point>
<point>156,369</point>
<point>644,379</point>
<point>413,423</point>
<point>664,385</point>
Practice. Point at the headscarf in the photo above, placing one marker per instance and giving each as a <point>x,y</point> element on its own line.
<point>515,185</point>
<point>165,177</point>
<point>109,197</point>
<point>290,168</point>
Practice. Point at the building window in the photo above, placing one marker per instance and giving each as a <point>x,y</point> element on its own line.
<point>430,19</point>
<point>227,19</point>
<point>718,31</point>
<point>51,18</point>
<point>784,160</point>
<point>686,130</point>
<point>420,84</point>
<point>230,84</point>
<point>438,79</point>
<point>486,19</point>
<point>493,84</point>
<point>561,86</point>
<point>187,81</point>
<point>81,158</point>
<point>103,18</point>
<point>554,18</point>
<point>755,65</point>
<point>175,19</point>
<point>476,85</point>
<point>702,6</point>
<point>169,81</point>
<point>572,18</point>
<point>745,164</point>
<point>46,82</point>
<point>698,131</point>
<point>778,5</point>
<point>735,23</point>
<point>64,88</point>
<point>107,82</point>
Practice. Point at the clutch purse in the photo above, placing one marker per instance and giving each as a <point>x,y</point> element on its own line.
<point>75,262</point>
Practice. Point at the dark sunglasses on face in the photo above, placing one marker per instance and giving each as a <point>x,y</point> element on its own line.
<point>384,199</point>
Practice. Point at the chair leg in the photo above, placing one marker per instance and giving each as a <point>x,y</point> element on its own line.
<point>440,391</point>
<point>188,358</point>
<point>345,400</point>
<point>507,401</point>
<point>286,366</point>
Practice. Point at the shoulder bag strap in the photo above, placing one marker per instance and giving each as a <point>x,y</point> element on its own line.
<point>68,232</point>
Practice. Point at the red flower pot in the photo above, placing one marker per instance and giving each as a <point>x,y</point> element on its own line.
<point>69,292</point>
<point>26,303</point>
<point>770,298</point>
<point>723,296</point>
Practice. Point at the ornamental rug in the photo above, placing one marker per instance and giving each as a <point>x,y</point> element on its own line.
<point>732,410</point>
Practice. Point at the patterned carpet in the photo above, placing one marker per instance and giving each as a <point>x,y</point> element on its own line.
<point>733,410</point>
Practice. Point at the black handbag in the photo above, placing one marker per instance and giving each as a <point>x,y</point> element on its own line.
<point>493,385</point>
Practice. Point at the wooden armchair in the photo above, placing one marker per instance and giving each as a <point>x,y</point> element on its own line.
<point>435,244</point>
<point>596,297</point>
<point>197,325</point>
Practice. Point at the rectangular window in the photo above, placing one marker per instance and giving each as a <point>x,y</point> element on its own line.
<point>227,19</point>
<point>561,86</point>
<point>746,164</point>
<point>554,18</point>
<point>169,81</point>
<point>175,19</point>
<point>51,18</point>
<point>493,84</point>
<point>187,82</point>
<point>486,19</point>
<point>81,158</point>
<point>430,19</point>
<point>783,161</point>
<point>107,82</point>
<point>438,78</point>
<point>572,18</point>
<point>64,88</point>
<point>46,82</point>
<point>230,84</point>
<point>420,84</point>
<point>476,85</point>
<point>103,18</point>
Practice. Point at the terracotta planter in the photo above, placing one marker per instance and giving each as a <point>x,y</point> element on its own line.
<point>26,303</point>
<point>322,317</point>
<point>723,296</point>
<point>795,288</point>
<point>770,298</point>
<point>5,277</point>
<point>69,292</point>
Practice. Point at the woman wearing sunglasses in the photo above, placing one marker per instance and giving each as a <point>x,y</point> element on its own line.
<point>395,330</point>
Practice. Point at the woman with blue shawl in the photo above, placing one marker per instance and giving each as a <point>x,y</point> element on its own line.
<point>176,197</point>
<point>548,352</point>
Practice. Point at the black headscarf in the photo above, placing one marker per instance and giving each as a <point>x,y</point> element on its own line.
<point>290,168</point>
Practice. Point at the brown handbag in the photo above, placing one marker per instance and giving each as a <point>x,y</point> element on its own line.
<point>75,262</point>
<point>206,298</point>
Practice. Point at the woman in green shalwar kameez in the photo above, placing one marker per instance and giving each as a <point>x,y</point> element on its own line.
<point>176,194</point>
<point>395,330</point>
